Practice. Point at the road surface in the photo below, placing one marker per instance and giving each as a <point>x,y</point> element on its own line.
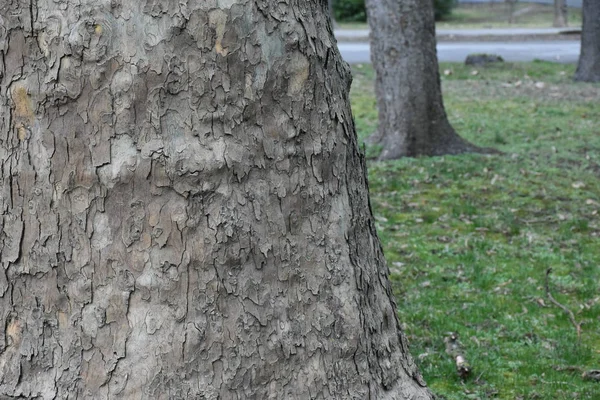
<point>558,51</point>
<point>358,35</point>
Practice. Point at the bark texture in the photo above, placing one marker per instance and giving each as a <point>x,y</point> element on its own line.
<point>412,118</point>
<point>588,68</point>
<point>560,13</point>
<point>183,208</point>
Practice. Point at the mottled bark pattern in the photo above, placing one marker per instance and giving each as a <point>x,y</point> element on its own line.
<point>183,208</point>
<point>412,119</point>
<point>588,68</point>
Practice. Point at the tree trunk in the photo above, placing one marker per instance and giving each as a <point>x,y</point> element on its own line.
<point>184,210</point>
<point>412,119</point>
<point>560,13</point>
<point>332,13</point>
<point>588,68</point>
<point>511,10</point>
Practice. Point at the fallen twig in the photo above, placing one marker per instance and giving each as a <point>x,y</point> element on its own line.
<point>454,349</point>
<point>570,368</point>
<point>591,374</point>
<point>557,304</point>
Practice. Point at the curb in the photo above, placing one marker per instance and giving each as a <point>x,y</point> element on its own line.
<point>456,36</point>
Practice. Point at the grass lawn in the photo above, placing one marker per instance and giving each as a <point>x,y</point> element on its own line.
<point>469,238</point>
<point>495,15</point>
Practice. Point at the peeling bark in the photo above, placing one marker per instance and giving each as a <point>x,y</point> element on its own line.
<point>184,210</point>
<point>588,68</point>
<point>412,118</point>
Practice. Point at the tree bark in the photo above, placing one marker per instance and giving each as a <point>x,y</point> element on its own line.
<point>588,68</point>
<point>412,118</point>
<point>560,13</point>
<point>184,210</point>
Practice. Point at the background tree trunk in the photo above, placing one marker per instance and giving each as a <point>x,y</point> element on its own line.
<point>332,13</point>
<point>560,13</point>
<point>412,119</point>
<point>511,10</point>
<point>184,211</point>
<point>588,68</point>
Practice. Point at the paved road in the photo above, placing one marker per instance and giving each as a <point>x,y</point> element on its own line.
<point>363,34</point>
<point>559,51</point>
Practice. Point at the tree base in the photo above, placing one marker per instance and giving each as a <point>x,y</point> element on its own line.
<point>589,77</point>
<point>449,144</point>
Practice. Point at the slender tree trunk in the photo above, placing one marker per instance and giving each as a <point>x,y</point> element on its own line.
<point>332,13</point>
<point>560,13</point>
<point>511,10</point>
<point>588,68</point>
<point>183,208</point>
<point>412,119</point>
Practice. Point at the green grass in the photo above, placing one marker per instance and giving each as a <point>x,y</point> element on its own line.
<point>353,25</point>
<point>496,15</point>
<point>468,238</point>
<point>476,16</point>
